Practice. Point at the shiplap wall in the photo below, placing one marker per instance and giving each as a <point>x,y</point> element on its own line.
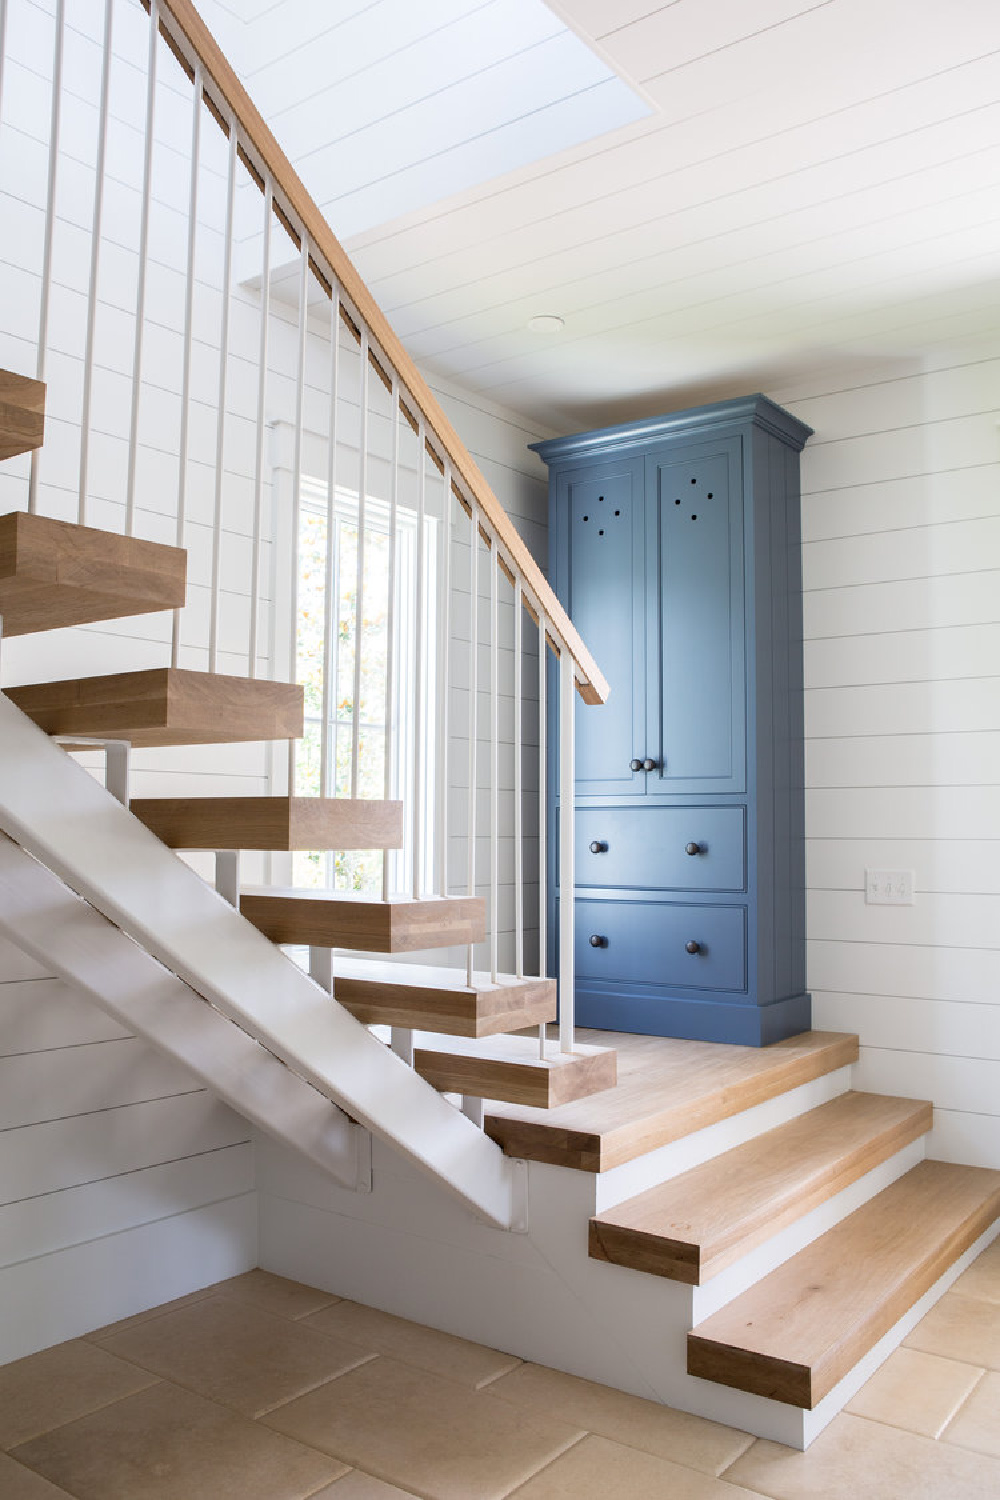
<point>901,564</point>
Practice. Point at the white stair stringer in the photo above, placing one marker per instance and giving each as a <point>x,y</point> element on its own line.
<point>56,811</point>
<point>59,929</point>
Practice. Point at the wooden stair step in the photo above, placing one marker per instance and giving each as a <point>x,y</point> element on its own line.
<point>692,1227</point>
<point>508,1067</point>
<point>54,574</point>
<point>327,919</point>
<point>667,1088</point>
<point>426,998</point>
<point>795,1334</point>
<point>276,823</point>
<point>22,414</point>
<point>165,706</point>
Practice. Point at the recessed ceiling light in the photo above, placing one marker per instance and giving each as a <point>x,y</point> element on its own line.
<point>546,323</point>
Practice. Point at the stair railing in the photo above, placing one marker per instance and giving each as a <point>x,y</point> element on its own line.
<point>326,365</point>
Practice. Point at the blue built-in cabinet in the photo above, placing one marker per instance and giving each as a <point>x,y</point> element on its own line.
<point>674,543</point>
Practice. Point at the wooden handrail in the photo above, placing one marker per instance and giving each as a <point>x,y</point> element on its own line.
<point>590,681</point>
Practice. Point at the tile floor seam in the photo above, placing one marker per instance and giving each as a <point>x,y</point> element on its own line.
<point>268,1411</point>
<point>523,1483</point>
<point>492,1379</point>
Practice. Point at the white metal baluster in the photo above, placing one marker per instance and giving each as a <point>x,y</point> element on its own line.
<point>359,592</point>
<point>390,644</point>
<point>300,394</point>
<point>258,474</point>
<point>473,706</point>
<point>420,715</point>
<point>140,300</point>
<point>494,759</point>
<point>543,853</point>
<point>95,257</point>
<point>444,682</point>
<point>182,471</point>
<point>518,790</point>
<point>220,429</point>
<point>331,623</point>
<point>3,48</point>
<point>50,225</point>
<point>567,830</point>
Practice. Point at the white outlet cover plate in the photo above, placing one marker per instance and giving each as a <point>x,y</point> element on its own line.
<point>889,887</point>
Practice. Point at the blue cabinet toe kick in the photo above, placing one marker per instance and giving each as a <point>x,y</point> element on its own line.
<point>705,1019</point>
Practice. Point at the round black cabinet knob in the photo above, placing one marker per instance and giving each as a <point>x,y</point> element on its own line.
<point>599,846</point>
<point>692,848</point>
<point>597,941</point>
<point>635,765</point>
<point>649,765</point>
<point>691,947</point>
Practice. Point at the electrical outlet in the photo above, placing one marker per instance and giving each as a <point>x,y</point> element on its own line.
<point>889,887</point>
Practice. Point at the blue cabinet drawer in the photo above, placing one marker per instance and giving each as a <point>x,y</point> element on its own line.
<point>662,848</point>
<point>648,942</point>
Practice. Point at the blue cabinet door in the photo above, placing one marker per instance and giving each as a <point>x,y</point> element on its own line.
<point>599,571</point>
<point>696,704</point>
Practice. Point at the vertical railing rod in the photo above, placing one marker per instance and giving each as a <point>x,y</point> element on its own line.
<point>444,682</point>
<point>518,789</point>
<point>567,830</point>
<point>140,298</point>
<point>182,470</point>
<point>390,627</point>
<point>359,589</point>
<point>300,396</point>
<point>543,853</point>
<point>494,759</point>
<point>220,428</point>
<point>420,715</point>
<point>331,620</point>
<point>50,225</point>
<point>258,473</point>
<point>473,708</point>
<point>95,259</point>
<point>3,49</point>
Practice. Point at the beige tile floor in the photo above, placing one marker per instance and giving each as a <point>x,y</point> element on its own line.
<point>261,1389</point>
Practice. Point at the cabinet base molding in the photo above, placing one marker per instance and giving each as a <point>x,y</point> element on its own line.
<point>710,1020</point>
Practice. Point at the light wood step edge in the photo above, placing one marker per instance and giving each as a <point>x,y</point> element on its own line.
<point>438,1000</point>
<point>275,823</point>
<point>798,1332</point>
<point>544,1084</point>
<point>165,706</point>
<point>322,919</point>
<point>54,574</point>
<point>694,1226</point>
<point>22,414</point>
<point>645,1117</point>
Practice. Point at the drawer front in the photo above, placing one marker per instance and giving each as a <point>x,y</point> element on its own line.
<point>646,942</point>
<point>647,848</point>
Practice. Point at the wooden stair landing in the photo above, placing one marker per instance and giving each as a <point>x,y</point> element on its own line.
<point>276,823</point>
<point>795,1334</point>
<point>667,1088</point>
<point>165,706</point>
<point>693,1226</point>
<point>509,1068</point>
<point>54,574</point>
<point>325,919</point>
<point>22,414</point>
<point>425,998</point>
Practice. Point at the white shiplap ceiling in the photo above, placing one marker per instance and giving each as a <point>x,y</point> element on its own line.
<point>816,181</point>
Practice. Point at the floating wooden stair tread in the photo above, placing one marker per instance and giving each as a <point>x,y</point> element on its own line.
<point>22,414</point>
<point>795,1334</point>
<point>509,1068</point>
<point>281,823</point>
<point>325,919</point>
<point>165,706</point>
<point>54,574</point>
<point>426,998</point>
<point>667,1088</point>
<point>695,1225</point>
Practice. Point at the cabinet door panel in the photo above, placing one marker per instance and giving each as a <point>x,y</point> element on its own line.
<point>696,711</point>
<point>645,942</point>
<point>602,514</point>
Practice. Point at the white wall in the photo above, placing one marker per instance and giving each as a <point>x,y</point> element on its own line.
<point>901,561</point>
